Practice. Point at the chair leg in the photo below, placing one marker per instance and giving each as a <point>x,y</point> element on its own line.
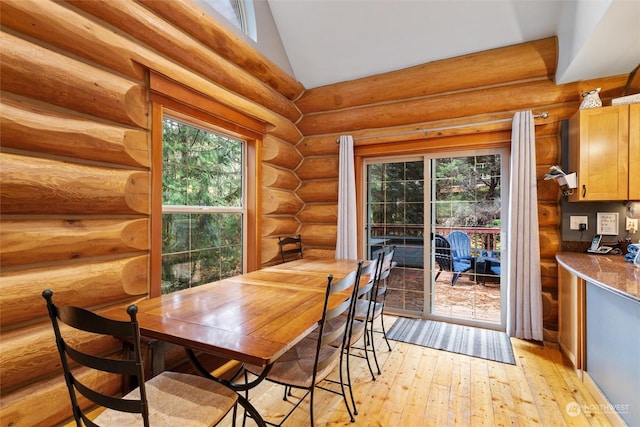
<point>384,330</point>
<point>366,355</point>
<point>353,400</point>
<point>373,347</point>
<point>455,278</point>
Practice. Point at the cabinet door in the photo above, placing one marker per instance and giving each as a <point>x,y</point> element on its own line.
<point>599,153</point>
<point>570,316</point>
<point>634,152</point>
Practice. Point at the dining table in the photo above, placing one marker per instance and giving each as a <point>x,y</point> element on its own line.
<point>253,318</point>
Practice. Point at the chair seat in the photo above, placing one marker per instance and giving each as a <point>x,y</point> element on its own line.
<point>362,306</point>
<point>295,367</point>
<point>461,266</point>
<point>177,399</point>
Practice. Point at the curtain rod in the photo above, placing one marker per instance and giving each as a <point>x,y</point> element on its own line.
<point>542,115</point>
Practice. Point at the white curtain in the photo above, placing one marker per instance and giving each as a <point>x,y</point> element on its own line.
<point>524,309</point>
<point>346,243</point>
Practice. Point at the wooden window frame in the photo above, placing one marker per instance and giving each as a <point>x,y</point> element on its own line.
<point>179,101</point>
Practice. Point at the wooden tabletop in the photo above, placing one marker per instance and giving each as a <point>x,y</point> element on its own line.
<point>253,318</point>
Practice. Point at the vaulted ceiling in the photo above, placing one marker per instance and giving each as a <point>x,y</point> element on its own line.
<point>330,41</point>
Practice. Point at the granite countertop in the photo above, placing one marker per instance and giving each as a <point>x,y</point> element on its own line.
<point>611,272</point>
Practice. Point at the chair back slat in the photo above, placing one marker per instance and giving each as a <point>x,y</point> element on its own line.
<point>290,248</point>
<point>84,320</point>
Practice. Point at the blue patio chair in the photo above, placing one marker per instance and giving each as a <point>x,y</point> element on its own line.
<point>460,246</point>
<point>446,262</point>
<point>490,262</point>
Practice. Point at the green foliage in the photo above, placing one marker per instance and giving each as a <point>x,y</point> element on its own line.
<point>200,169</point>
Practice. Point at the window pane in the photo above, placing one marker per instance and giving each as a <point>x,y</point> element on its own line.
<point>202,170</point>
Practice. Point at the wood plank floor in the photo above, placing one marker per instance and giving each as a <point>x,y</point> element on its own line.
<point>420,386</point>
<point>425,387</point>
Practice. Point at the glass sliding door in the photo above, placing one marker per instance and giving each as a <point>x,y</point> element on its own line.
<point>395,206</point>
<point>444,216</point>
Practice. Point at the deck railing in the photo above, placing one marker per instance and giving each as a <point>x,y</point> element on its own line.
<point>409,241</point>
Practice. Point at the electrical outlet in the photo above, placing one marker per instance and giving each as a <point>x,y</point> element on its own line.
<point>575,221</point>
<point>632,224</point>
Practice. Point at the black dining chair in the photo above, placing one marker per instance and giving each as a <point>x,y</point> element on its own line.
<point>309,363</point>
<point>371,308</point>
<point>169,399</point>
<point>290,248</point>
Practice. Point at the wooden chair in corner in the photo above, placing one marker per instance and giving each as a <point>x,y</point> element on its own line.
<point>290,248</point>
<point>168,399</point>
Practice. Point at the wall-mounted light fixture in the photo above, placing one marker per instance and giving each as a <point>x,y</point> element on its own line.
<point>633,210</point>
<point>567,182</point>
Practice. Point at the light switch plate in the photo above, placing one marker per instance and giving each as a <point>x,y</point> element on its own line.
<point>575,221</point>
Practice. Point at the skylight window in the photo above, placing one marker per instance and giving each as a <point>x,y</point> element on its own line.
<point>240,13</point>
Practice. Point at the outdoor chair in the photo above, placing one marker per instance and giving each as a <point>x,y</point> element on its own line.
<point>168,399</point>
<point>460,246</point>
<point>491,264</point>
<point>290,248</point>
<point>446,262</point>
<point>310,362</point>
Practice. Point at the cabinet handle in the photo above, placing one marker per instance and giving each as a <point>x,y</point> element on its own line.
<point>584,191</point>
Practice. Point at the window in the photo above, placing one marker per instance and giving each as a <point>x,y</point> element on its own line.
<point>239,12</point>
<point>202,205</point>
<point>204,194</point>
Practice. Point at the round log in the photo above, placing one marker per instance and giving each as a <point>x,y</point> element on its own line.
<point>319,213</point>
<point>30,352</point>
<point>322,145</point>
<point>319,168</point>
<point>279,202</point>
<point>279,178</point>
<point>549,242</point>
<point>280,153</point>
<point>60,26</point>
<point>35,72</point>
<point>228,45</point>
<point>270,252</point>
<point>446,106</point>
<point>325,191</point>
<point>519,62</point>
<point>51,398</point>
<point>547,149</point>
<point>33,128</point>
<point>86,285</point>
<point>549,308</point>
<point>548,214</point>
<point>274,226</point>
<point>319,235</point>
<point>141,23</point>
<point>36,186</point>
<point>320,253</point>
<point>25,242</point>
<point>549,267</point>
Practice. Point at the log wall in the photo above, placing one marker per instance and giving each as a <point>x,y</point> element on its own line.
<point>75,160</point>
<point>75,166</point>
<point>437,107</point>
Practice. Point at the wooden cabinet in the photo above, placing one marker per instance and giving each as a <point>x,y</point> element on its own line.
<point>604,150</point>
<point>571,290</point>
<point>634,152</point>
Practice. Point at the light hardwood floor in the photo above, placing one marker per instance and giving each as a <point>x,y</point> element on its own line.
<point>425,387</point>
<point>421,386</point>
